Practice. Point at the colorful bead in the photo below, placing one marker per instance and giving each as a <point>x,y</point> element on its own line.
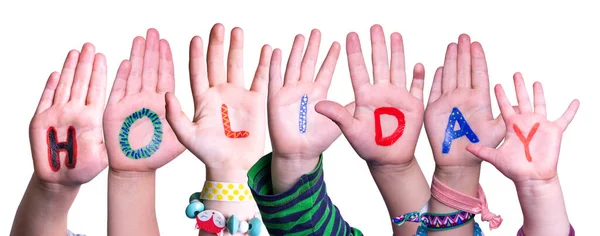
<point>195,196</point>
<point>233,224</point>
<point>243,227</point>
<point>210,221</point>
<point>194,208</point>
<point>255,226</point>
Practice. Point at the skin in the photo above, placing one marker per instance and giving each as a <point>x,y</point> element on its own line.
<point>394,168</point>
<point>75,97</point>
<point>226,159</point>
<point>141,81</point>
<point>537,183</point>
<point>295,153</point>
<point>463,83</point>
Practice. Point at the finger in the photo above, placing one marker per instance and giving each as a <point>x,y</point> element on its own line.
<point>136,57</point>
<point>436,86</point>
<point>197,66</point>
<point>479,74</point>
<point>166,69</point>
<point>398,70</point>
<point>379,56</point>
<point>522,96</point>
<point>309,61</point>
<point>539,101</point>
<point>292,70</point>
<point>275,83</point>
<point>48,94</point>
<point>235,58</point>
<point>337,113</point>
<point>181,124</point>
<point>418,82</point>
<point>151,60</point>
<point>501,123</point>
<point>484,153</point>
<point>261,76</point>
<point>120,84</point>
<point>356,62</point>
<point>505,108</point>
<point>83,73</point>
<point>328,68</point>
<point>449,73</point>
<point>216,69</point>
<point>96,93</point>
<point>62,94</point>
<point>568,116</point>
<point>464,62</point>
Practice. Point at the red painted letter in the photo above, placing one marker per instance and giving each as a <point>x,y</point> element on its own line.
<point>389,140</point>
<point>527,140</point>
<point>227,125</point>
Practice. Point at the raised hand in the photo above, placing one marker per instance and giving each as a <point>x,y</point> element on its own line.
<point>459,110</point>
<point>296,130</point>
<point>385,125</point>
<point>228,130</point>
<point>66,130</point>
<point>532,144</point>
<point>138,138</point>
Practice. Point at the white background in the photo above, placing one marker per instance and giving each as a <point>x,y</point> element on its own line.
<point>550,42</point>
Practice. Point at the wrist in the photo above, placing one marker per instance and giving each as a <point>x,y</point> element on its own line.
<point>392,169</point>
<point>286,170</point>
<point>534,190</point>
<point>54,189</point>
<point>130,175</point>
<point>463,179</point>
<point>227,175</point>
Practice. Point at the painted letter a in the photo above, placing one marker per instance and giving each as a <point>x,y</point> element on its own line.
<point>465,130</point>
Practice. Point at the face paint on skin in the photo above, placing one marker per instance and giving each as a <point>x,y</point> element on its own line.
<point>227,125</point>
<point>527,140</point>
<point>154,144</point>
<point>391,139</point>
<point>303,113</point>
<point>55,147</point>
<point>465,130</point>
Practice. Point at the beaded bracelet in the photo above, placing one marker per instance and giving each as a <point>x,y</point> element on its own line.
<point>422,231</point>
<point>212,221</point>
<point>436,222</point>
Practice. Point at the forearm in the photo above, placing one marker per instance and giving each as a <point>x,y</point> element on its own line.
<point>43,209</point>
<point>131,203</point>
<point>404,189</point>
<point>286,171</point>
<point>463,179</point>
<point>543,206</point>
<point>244,210</point>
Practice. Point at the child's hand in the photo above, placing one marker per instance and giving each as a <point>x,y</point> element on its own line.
<point>459,110</point>
<point>532,144</point>
<point>391,140</point>
<point>296,130</point>
<point>66,130</point>
<point>228,130</point>
<point>138,137</point>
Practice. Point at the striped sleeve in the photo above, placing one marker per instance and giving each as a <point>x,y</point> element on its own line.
<point>305,209</point>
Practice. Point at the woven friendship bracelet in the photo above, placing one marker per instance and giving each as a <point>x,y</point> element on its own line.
<point>222,191</point>
<point>422,231</point>
<point>437,222</point>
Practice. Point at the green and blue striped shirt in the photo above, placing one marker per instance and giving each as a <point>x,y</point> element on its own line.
<point>304,210</point>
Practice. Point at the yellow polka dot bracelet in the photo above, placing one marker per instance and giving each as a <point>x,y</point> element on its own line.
<point>222,191</point>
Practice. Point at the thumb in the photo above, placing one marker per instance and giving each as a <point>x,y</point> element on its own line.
<point>336,112</point>
<point>181,125</point>
<point>484,153</point>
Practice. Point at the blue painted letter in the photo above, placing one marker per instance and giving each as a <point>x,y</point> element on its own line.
<point>451,134</point>
<point>303,111</point>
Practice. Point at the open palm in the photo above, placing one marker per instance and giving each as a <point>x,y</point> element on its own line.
<point>71,105</point>
<point>462,83</point>
<point>295,128</point>
<point>138,138</point>
<point>388,92</point>
<point>532,145</point>
<point>228,130</point>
